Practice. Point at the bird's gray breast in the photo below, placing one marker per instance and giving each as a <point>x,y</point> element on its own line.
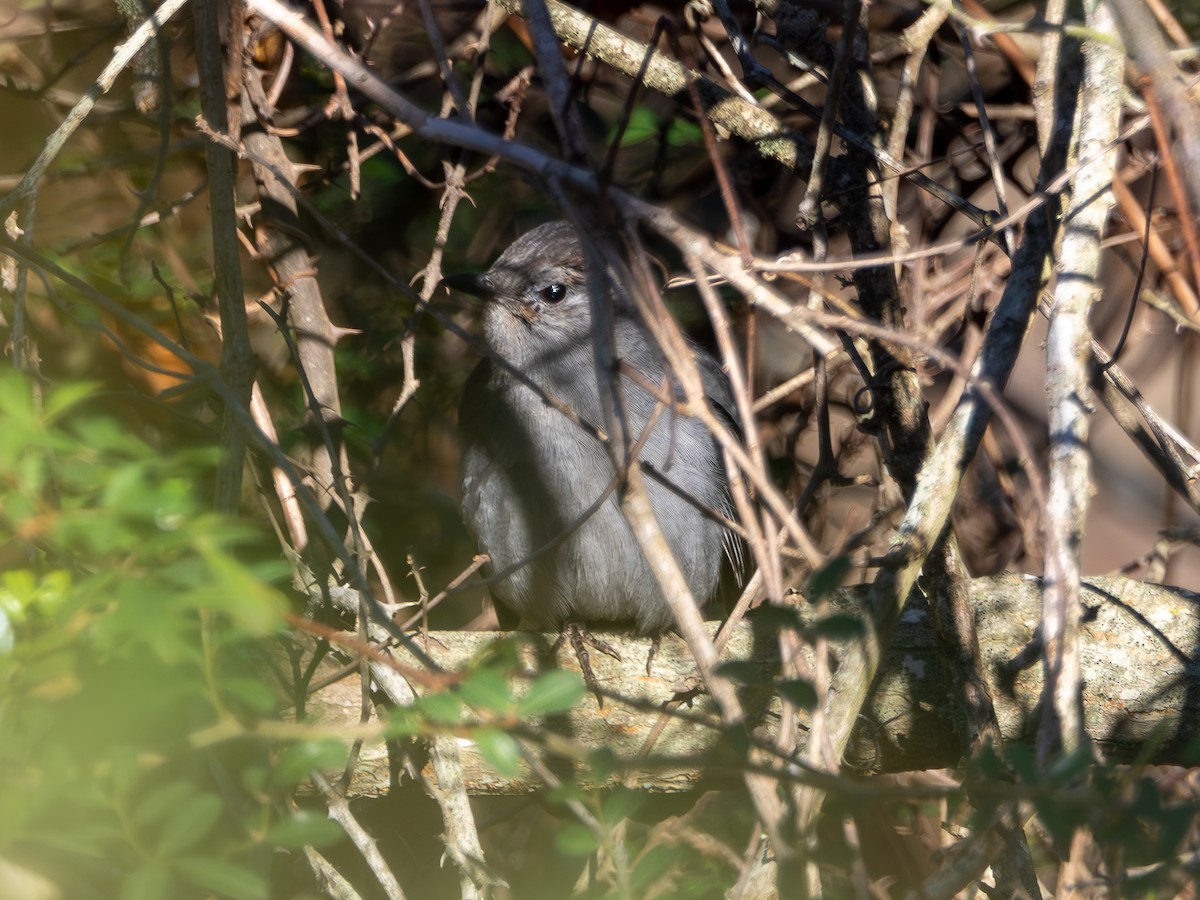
<point>536,483</point>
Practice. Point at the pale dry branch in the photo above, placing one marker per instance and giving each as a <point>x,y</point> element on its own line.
<point>1068,343</point>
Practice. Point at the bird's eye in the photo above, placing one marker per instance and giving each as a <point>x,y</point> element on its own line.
<point>554,293</point>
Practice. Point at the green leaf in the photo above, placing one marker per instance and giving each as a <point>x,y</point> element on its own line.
<point>839,627</point>
<point>798,692</point>
<point>487,690</point>
<point>603,764</point>
<point>682,133</point>
<point>444,708</point>
<point>574,839</point>
<point>644,124</point>
<point>828,578</point>
<point>255,695</point>
<point>653,864</point>
<point>1069,766</point>
<point>743,671</point>
<point>225,878</point>
<point>552,693</point>
<point>400,722</point>
<point>503,654</point>
<point>189,824</point>
<point>499,750</point>
<point>66,396</point>
<point>621,803</point>
<point>777,618</point>
<point>161,802</point>
<point>255,607</point>
<point>304,828</point>
<point>299,759</point>
<point>566,792</point>
<point>148,882</point>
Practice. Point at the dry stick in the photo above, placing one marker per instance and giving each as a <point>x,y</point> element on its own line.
<point>339,811</point>
<point>206,374</point>
<point>951,607</point>
<point>122,57</point>
<point>763,545</point>
<point>328,878</point>
<point>1185,411</point>
<point>1186,205</point>
<point>340,102</point>
<point>938,478</point>
<point>297,535</point>
<point>900,406</point>
<point>461,835</point>
<point>470,137</point>
<point>916,38</point>
<point>438,47</point>
<point>1068,344</point>
<point>750,122</point>
<point>279,242</point>
<point>449,790</point>
<point>1163,258</point>
<point>455,188</point>
<point>963,870</point>
<point>819,752</point>
<point>1169,23</point>
<point>637,509</point>
<point>1004,43</point>
<point>1167,90</point>
<point>313,349</point>
<point>1175,455</point>
<point>237,356</point>
<point>989,133</point>
<point>809,213</point>
<point>800,317</point>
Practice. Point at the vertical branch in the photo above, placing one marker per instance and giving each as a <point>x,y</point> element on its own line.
<point>1068,345</point>
<point>279,244</point>
<point>237,356</point>
<point>339,811</point>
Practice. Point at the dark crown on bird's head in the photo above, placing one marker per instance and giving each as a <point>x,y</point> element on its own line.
<point>548,255</point>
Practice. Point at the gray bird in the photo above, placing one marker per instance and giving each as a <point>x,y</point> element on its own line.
<point>530,475</point>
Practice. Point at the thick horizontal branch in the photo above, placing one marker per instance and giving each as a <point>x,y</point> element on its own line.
<point>1137,643</point>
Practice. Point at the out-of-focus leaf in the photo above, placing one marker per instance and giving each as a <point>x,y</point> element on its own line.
<point>188,824</point>
<point>444,708</point>
<point>499,750</point>
<point>799,692</point>
<point>621,803</point>
<point>223,878</point>
<point>743,671</point>
<point>838,627</point>
<point>160,802</point>
<point>574,839</point>
<point>487,690</point>
<point>148,882</point>
<point>828,578</point>
<point>304,828</point>
<point>299,759</point>
<point>644,123</point>
<point>552,693</point>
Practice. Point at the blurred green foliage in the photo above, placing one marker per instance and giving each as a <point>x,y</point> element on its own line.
<point>130,617</point>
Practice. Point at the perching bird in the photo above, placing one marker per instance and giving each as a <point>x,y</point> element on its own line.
<point>530,476</point>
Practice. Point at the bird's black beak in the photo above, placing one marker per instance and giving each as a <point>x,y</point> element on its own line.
<point>477,284</point>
